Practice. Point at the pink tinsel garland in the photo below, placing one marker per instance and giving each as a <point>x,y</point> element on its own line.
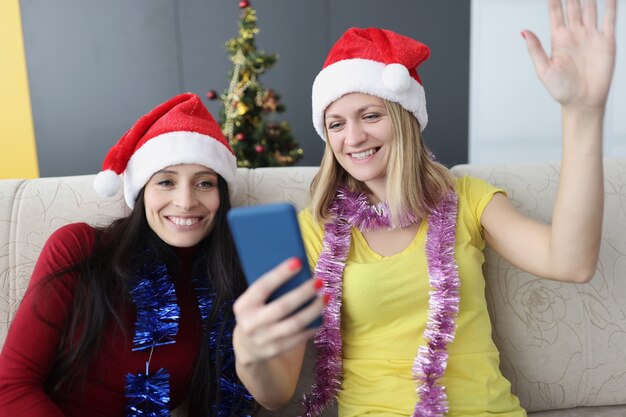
<point>348,210</point>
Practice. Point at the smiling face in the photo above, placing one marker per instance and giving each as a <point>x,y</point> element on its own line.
<point>181,202</point>
<point>360,134</point>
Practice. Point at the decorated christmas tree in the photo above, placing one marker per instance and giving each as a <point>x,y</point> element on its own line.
<point>248,113</point>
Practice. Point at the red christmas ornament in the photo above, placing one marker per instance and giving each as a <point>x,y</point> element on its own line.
<point>243,4</point>
<point>211,95</point>
<point>240,137</point>
<point>259,148</point>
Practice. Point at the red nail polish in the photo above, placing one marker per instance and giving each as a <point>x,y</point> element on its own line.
<point>294,264</point>
<point>318,284</point>
<point>326,298</point>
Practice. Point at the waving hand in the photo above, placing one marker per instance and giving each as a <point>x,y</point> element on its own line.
<point>579,69</point>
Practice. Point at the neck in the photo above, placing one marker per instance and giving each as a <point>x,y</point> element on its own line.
<point>186,253</point>
<point>377,191</point>
<point>186,257</point>
<point>359,212</point>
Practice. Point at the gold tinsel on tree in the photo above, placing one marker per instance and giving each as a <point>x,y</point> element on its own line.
<point>246,104</point>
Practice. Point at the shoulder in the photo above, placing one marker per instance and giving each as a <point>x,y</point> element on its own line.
<point>471,186</point>
<point>74,234</point>
<point>475,189</point>
<point>308,223</point>
<point>474,194</point>
<point>79,230</point>
<point>312,230</point>
<point>70,243</point>
<point>68,246</point>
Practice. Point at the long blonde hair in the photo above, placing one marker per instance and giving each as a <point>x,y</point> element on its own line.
<point>415,183</point>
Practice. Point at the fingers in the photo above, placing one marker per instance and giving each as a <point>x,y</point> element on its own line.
<point>268,330</point>
<point>590,15</point>
<point>261,342</point>
<point>555,12</point>
<point>540,59</point>
<point>253,312</point>
<point>278,347</point>
<point>573,13</point>
<point>610,12</point>
<point>282,307</point>
<point>258,293</point>
<point>249,349</point>
<point>588,18</point>
<point>293,325</point>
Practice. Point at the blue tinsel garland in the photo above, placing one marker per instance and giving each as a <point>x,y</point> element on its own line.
<point>148,395</point>
<point>154,295</point>
<point>235,397</point>
<point>157,310</point>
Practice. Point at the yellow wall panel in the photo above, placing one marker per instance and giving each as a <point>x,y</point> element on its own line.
<point>18,152</point>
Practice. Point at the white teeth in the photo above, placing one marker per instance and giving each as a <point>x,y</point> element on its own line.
<point>364,154</point>
<point>183,222</point>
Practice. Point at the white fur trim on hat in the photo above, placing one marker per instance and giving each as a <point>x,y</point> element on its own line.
<point>177,148</point>
<point>368,77</point>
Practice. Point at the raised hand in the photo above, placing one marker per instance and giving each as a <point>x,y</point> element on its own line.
<point>579,69</point>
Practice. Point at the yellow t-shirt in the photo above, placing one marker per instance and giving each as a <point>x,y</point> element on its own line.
<point>384,312</point>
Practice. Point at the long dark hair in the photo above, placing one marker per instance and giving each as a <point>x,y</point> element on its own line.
<point>102,296</point>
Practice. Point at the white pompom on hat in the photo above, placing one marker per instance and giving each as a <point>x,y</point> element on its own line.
<point>179,131</point>
<point>373,61</point>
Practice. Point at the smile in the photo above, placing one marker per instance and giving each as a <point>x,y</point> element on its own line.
<point>364,154</point>
<point>180,221</point>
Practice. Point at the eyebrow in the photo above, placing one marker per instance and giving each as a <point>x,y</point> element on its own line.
<point>360,110</point>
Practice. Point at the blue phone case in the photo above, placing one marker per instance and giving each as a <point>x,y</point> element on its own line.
<point>265,236</point>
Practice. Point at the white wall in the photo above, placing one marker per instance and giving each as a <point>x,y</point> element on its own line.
<point>512,118</point>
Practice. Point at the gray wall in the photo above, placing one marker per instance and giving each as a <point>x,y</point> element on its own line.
<point>96,66</point>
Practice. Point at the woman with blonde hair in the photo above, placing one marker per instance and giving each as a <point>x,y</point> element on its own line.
<point>397,242</point>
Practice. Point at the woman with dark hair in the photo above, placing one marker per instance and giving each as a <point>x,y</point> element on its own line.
<point>135,319</point>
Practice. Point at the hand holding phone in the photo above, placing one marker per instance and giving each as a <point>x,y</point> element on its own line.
<point>265,236</point>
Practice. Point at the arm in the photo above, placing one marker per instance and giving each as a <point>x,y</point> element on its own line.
<point>31,344</point>
<point>269,343</point>
<point>577,75</point>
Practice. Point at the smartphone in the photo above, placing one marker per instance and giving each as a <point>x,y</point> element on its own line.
<point>266,235</point>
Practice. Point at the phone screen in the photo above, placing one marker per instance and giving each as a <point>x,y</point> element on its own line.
<point>266,235</point>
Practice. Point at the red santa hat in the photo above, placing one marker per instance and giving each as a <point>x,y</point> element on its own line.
<point>373,61</point>
<point>179,131</point>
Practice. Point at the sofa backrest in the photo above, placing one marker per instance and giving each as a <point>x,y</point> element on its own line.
<point>30,210</point>
<point>561,344</point>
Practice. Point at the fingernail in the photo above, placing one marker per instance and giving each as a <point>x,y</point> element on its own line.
<point>326,298</point>
<point>318,284</point>
<point>294,264</point>
<point>523,34</point>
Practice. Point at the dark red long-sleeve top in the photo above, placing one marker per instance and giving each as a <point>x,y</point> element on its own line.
<point>31,344</point>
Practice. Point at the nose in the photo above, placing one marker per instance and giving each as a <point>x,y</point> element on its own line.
<point>185,198</point>
<point>355,134</point>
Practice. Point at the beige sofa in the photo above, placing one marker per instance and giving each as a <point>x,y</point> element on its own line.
<point>563,345</point>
